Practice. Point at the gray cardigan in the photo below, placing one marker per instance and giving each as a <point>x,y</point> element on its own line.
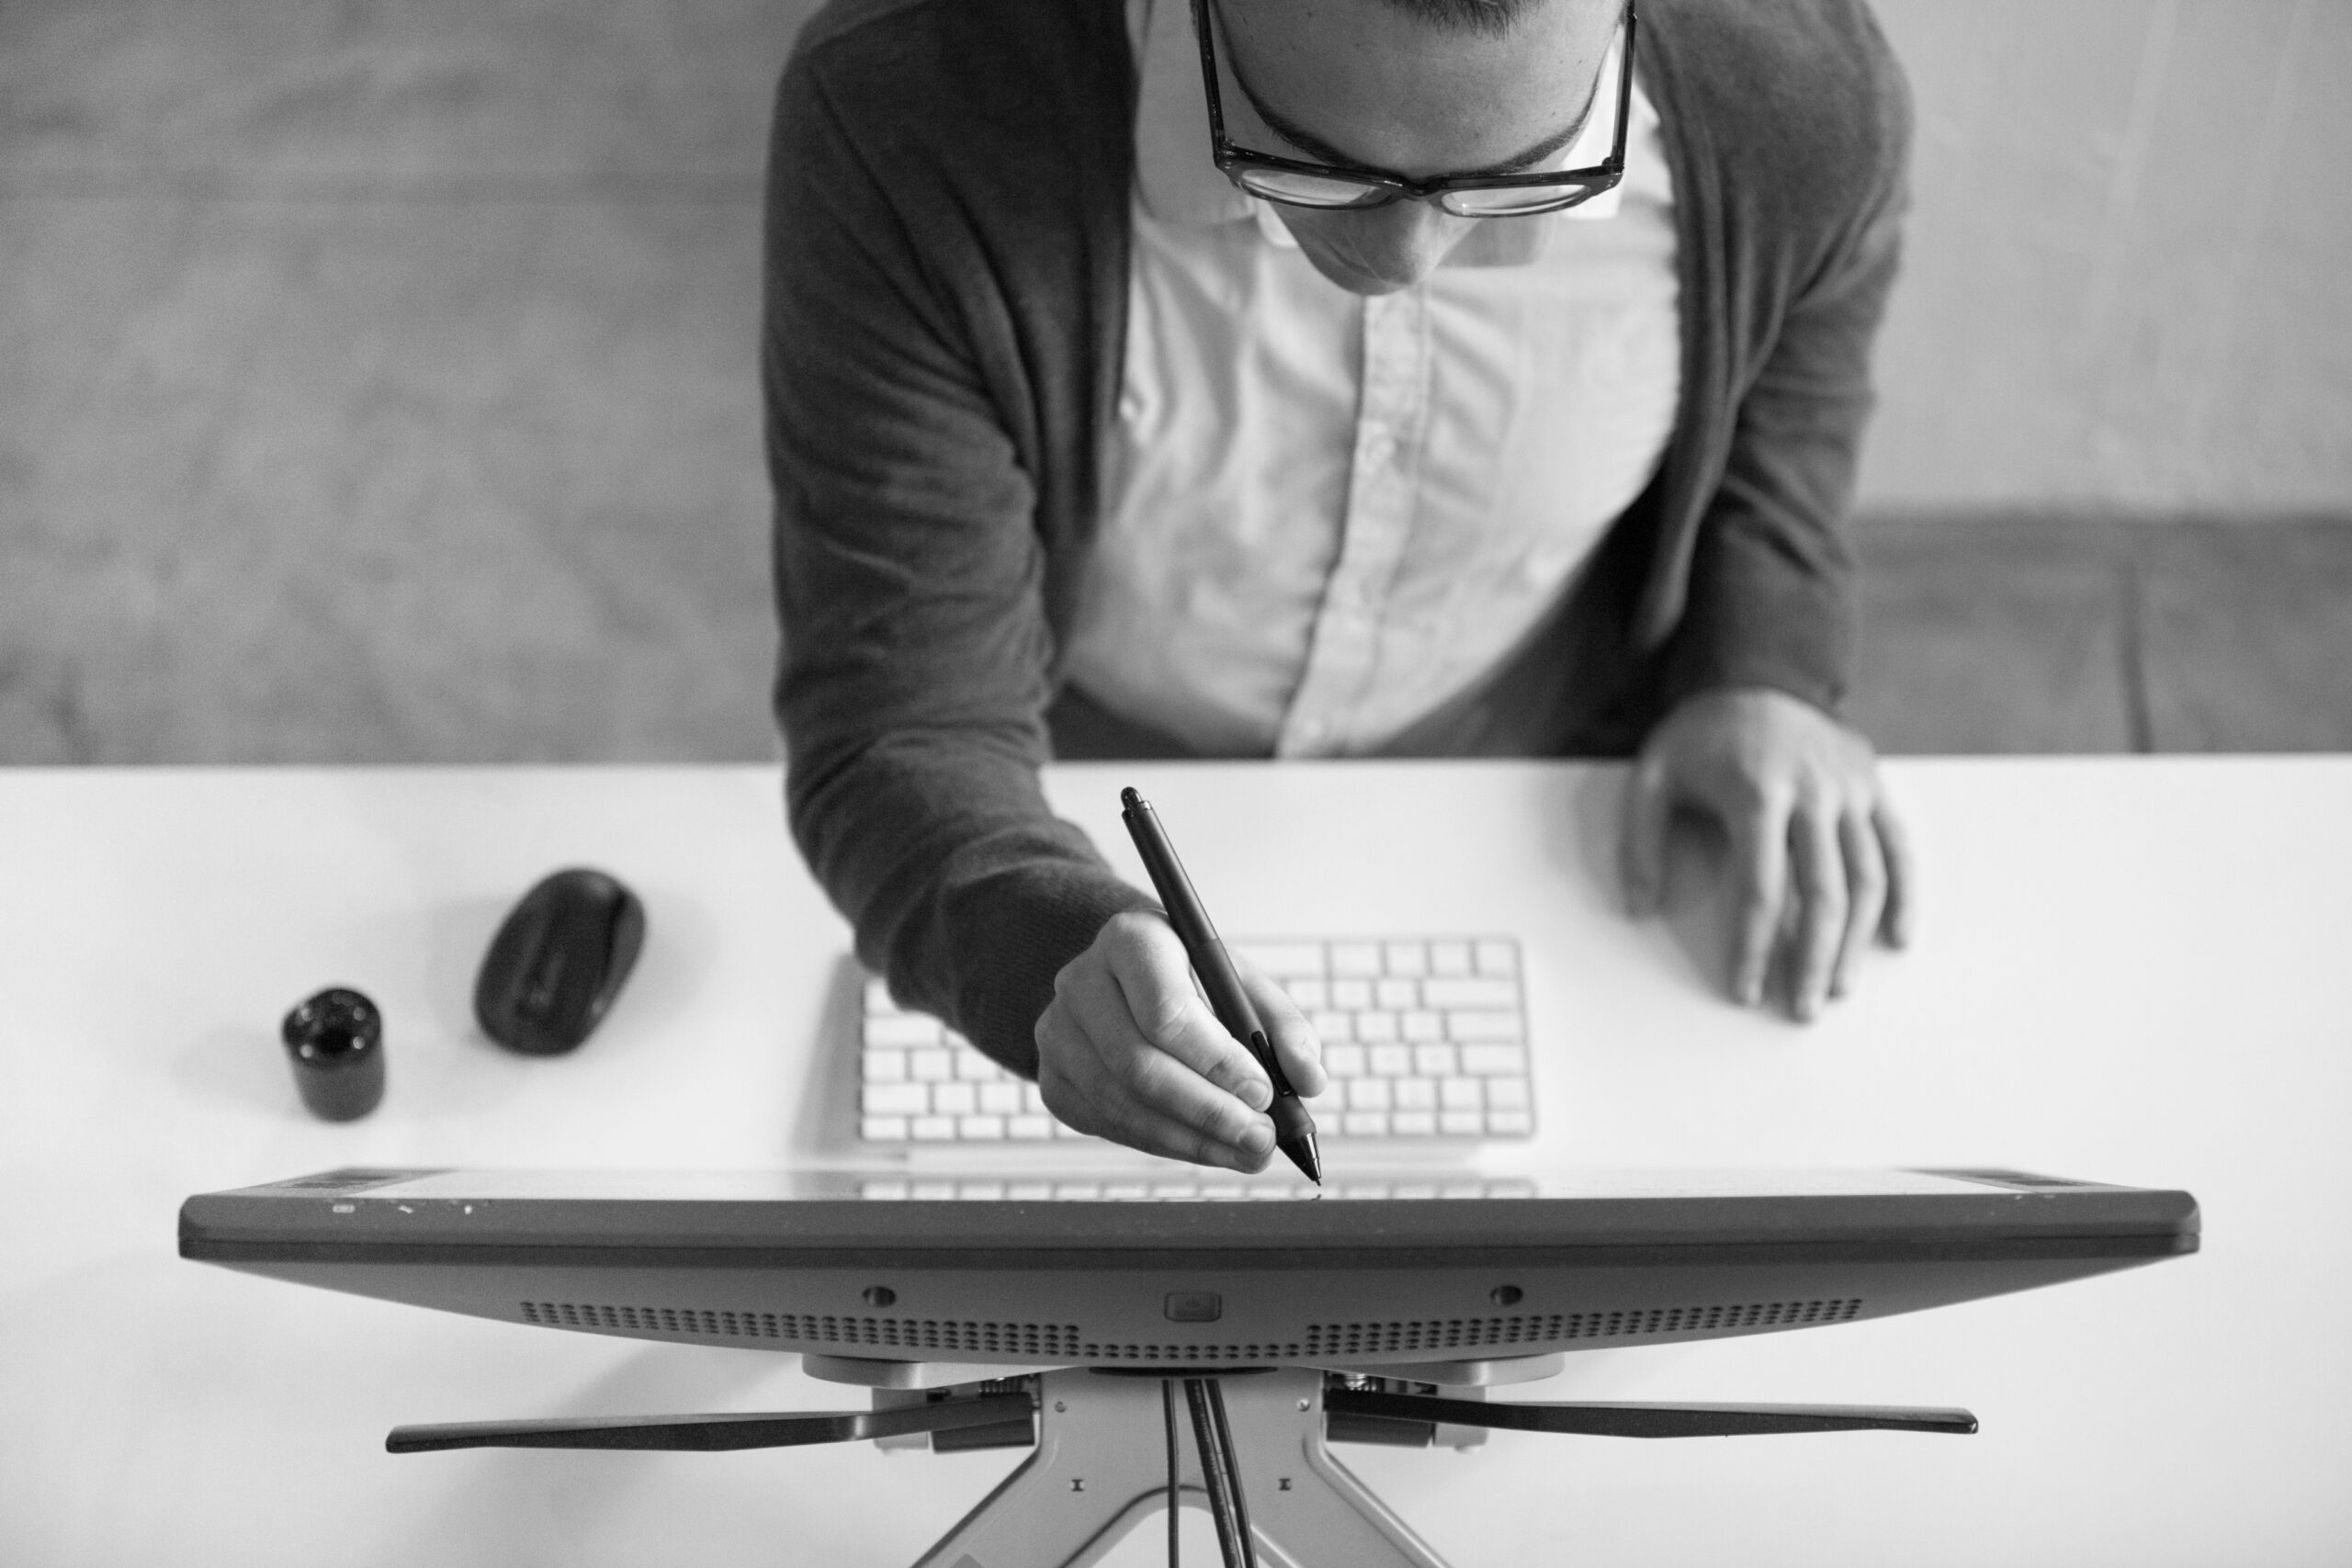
<point>946,253</point>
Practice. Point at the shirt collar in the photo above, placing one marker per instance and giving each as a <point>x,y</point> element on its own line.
<point>1177,181</point>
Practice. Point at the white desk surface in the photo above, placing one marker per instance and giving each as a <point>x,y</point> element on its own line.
<point>2130,970</point>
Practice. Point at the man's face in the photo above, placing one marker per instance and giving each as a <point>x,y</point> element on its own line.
<point>1363,82</point>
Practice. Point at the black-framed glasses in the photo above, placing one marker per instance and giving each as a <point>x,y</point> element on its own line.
<point>1298,183</point>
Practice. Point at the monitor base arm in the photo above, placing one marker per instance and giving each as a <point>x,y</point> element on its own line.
<point>1094,1475</point>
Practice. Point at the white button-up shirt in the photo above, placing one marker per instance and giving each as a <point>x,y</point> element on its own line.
<point>1323,514</point>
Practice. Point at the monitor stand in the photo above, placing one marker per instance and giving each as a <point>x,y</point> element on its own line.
<point>1108,1452</point>
<point>1101,1468</point>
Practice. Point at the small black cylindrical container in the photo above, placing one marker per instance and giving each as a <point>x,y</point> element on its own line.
<point>336,1041</point>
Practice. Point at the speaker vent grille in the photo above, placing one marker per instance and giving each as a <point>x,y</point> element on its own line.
<point>1042,1339</point>
<point>1061,1341</point>
<point>1482,1333</point>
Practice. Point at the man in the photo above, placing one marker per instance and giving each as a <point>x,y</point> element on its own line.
<point>1241,378</point>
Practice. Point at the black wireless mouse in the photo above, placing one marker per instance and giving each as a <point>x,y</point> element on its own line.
<point>557,961</point>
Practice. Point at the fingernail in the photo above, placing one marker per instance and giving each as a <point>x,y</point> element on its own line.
<point>1258,1142</point>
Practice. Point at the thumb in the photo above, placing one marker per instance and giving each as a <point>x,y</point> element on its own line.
<point>1649,808</point>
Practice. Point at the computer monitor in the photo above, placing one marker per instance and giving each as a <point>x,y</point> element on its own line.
<point>1184,1272</point>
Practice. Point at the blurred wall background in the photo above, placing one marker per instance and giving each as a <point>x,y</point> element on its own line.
<point>376,381</point>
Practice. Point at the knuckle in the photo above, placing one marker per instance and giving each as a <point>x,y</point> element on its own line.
<point>1163,1017</point>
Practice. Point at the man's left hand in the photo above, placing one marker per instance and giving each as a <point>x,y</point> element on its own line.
<point>1816,853</point>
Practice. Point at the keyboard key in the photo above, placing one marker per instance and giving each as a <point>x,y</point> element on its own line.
<point>1312,996</point>
<point>1424,1026</point>
<point>1365,1124</point>
<point>1392,1061</point>
<point>1449,958</point>
<point>1000,1099</point>
<point>1413,1123</point>
<point>1506,1094</point>
<point>1368,1094</point>
<point>882,1130</point>
<point>1357,958</point>
<point>895,1099</point>
<point>1437,1061</point>
<point>1283,959</point>
<point>1397,995</point>
<point>1499,958</point>
<point>902,1029</point>
<point>1484,1025</point>
<point>877,995</point>
<point>955,1098</point>
<point>1377,1028</point>
<point>1033,1099</point>
<point>1510,1123</point>
<point>1462,1094</point>
<point>1343,1061</point>
<point>934,1065</point>
<point>1352,995</point>
<point>1416,1094</point>
<point>886,1066</point>
<point>1407,958</point>
<point>1029,1128</point>
<point>1495,1061</point>
<point>1480,992</point>
<point>1331,1026</point>
<point>1460,1123</point>
<point>980,1129</point>
<point>931,1128</point>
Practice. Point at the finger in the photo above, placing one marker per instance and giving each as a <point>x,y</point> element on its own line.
<point>1866,894</point>
<point>1822,905</point>
<point>1296,1046</point>
<point>1761,839</point>
<point>1092,1099</point>
<point>1155,980</point>
<point>1649,811</point>
<point>1895,842</point>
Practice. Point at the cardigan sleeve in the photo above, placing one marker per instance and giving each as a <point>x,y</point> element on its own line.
<point>916,653</point>
<point>1770,589</point>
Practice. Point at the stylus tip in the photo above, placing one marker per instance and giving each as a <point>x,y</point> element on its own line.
<point>1304,1154</point>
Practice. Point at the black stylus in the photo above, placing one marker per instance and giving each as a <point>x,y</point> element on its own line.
<point>1294,1128</point>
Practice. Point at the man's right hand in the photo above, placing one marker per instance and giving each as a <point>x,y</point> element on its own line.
<point>1128,1050</point>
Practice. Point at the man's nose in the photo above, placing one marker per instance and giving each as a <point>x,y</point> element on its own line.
<point>1403,242</point>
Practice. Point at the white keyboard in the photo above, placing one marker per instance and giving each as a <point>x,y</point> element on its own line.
<point>1425,1039</point>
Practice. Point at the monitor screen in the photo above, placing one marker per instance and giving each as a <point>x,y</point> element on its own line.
<point>1183,1270</point>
